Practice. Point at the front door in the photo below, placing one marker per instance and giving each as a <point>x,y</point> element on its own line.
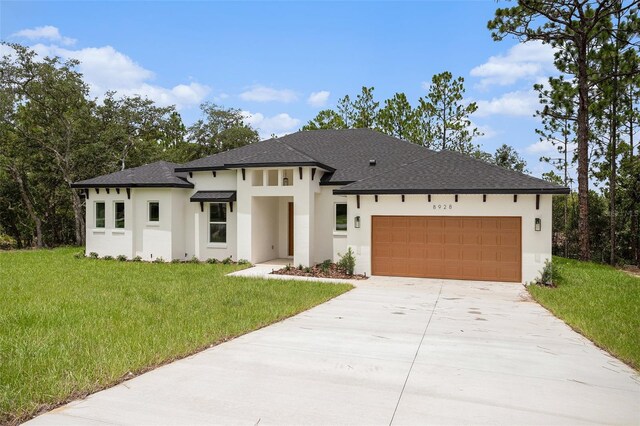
<point>290,229</point>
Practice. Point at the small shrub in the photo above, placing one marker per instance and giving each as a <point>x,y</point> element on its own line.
<point>307,270</point>
<point>7,242</point>
<point>194,260</point>
<point>158,259</point>
<point>79,255</point>
<point>347,262</point>
<point>212,261</point>
<point>244,262</point>
<point>325,266</point>
<point>287,268</point>
<point>137,259</point>
<point>176,261</point>
<point>93,255</point>
<point>300,267</point>
<point>227,260</point>
<point>107,257</point>
<point>547,275</point>
<point>122,258</point>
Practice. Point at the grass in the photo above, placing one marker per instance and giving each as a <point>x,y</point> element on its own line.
<point>69,326</point>
<point>600,302</point>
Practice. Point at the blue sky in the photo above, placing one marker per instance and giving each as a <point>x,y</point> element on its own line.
<point>282,62</point>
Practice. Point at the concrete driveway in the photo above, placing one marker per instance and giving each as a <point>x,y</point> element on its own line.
<point>392,351</point>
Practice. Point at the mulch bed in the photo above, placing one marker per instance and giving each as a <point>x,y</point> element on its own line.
<point>315,271</point>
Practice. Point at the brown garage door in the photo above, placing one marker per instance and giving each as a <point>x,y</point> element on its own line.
<point>467,248</point>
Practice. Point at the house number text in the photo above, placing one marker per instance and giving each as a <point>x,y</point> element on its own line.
<point>442,206</point>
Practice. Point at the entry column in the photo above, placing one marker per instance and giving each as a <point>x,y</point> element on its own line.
<point>303,219</point>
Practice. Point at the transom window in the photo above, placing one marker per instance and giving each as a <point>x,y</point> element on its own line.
<point>341,217</point>
<point>217,222</point>
<point>154,211</point>
<point>119,214</point>
<point>100,214</point>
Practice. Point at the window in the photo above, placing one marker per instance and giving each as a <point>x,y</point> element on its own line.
<point>218,223</point>
<point>341,217</point>
<point>154,211</point>
<point>119,214</point>
<point>100,214</point>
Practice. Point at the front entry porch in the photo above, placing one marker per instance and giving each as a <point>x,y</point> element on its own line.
<point>279,232</point>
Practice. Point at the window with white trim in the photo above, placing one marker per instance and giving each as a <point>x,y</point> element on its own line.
<point>217,223</point>
<point>154,211</point>
<point>118,212</point>
<point>340,217</point>
<point>100,214</point>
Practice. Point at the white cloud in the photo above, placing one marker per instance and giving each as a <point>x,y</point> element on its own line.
<point>105,68</point>
<point>47,32</point>
<point>278,124</point>
<point>545,146</point>
<point>525,60</point>
<point>487,131</point>
<point>517,103</point>
<point>318,99</point>
<point>268,94</point>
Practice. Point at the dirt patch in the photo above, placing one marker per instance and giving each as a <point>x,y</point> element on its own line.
<point>319,271</point>
<point>632,270</point>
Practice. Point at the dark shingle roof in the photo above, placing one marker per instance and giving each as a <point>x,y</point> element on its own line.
<point>221,196</point>
<point>451,172</point>
<point>346,153</point>
<point>267,153</point>
<point>400,166</point>
<point>158,174</point>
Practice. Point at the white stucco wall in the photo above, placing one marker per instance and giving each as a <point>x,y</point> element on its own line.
<point>536,245</point>
<point>109,241</point>
<point>140,237</point>
<point>265,223</point>
<point>196,222</point>
<point>257,228</point>
<point>329,244</point>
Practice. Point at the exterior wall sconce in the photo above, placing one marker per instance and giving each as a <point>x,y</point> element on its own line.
<point>285,181</point>
<point>356,222</point>
<point>538,224</point>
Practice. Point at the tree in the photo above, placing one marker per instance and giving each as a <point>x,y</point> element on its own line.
<point>220,129</point>
<point>364,109</point>
<point>136,130</point>
<point>50,112</point>
<point>573,27</point>
<point>507,157</point>
<point>398,118</point>
<point>444,116</point>
<point>326,119</point>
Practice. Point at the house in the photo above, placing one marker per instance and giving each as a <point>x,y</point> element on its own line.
<point>403,209</point>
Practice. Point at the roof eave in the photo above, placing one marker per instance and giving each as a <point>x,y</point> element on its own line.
<point>80,185</point>
<point>199,169</point>
<point>553,191</point>
<point>280,164</point>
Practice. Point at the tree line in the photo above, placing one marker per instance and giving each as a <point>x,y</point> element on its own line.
<point>52,133</point>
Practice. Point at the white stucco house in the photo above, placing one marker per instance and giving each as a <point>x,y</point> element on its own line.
<point>404,210</point>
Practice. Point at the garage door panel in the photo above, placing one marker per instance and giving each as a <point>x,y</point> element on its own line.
<point>435,237</point>
<point>398,251</point>
<point>474,248</point>
<point>416,251</point>
<point>452,238</point>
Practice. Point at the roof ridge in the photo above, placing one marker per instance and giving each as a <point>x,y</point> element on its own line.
<point>299,151</point>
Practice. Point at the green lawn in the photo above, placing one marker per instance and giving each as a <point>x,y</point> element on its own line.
<point>600,302</point>
<point>72,326</point>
